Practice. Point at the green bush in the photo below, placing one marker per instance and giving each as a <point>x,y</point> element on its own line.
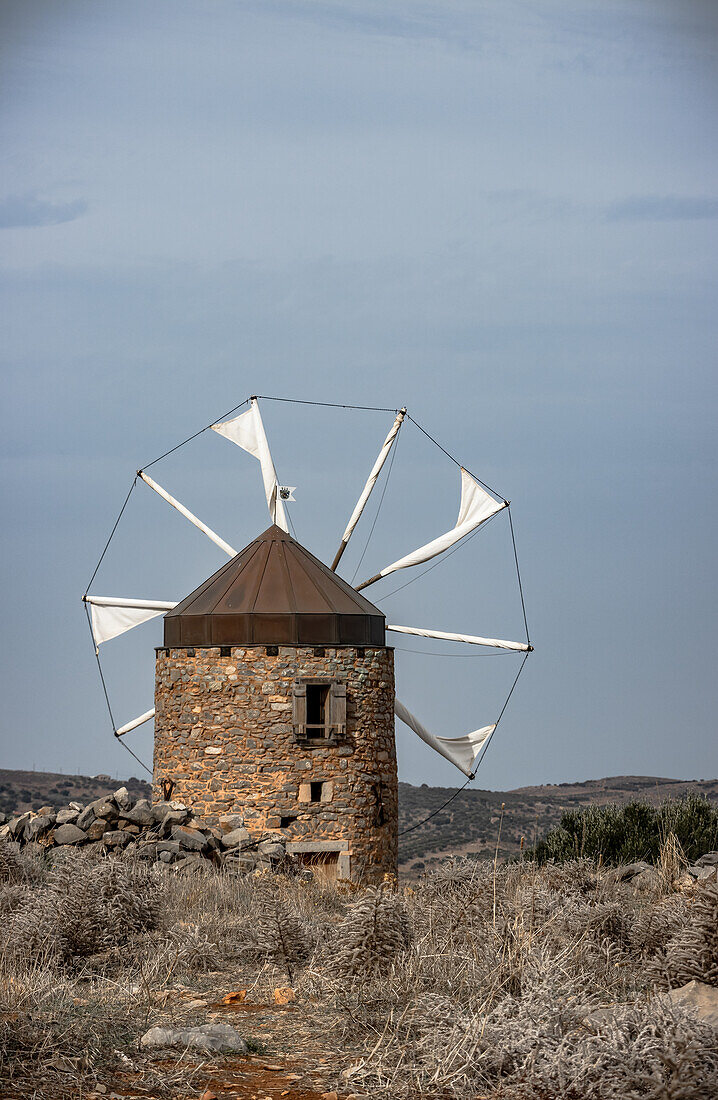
<point>624,834</point>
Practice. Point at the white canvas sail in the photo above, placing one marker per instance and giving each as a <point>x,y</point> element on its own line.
<point>112,615</point>
<point>475,508</point>
<point>247,431</point>
<point>472,639</point>
<point>371,482</point>
<point>459,751</point>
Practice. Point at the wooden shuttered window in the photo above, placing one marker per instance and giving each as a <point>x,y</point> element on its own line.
<point>299,709</point>
<point>338,709</point>
<point>319,709</point>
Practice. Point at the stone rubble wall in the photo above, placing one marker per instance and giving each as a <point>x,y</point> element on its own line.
<point>164,832</point>
<point>224,737</point>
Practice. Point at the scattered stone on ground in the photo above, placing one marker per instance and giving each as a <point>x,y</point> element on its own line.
<point>218,1038</point>
<point>702,998</point>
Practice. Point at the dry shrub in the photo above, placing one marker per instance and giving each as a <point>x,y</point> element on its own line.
<point>651,1050</point>
<point>492,998</point>
<point>279,933</point>
<point>11,868</point>
<point>52,1036</point>
<point>692,952</point>
<point>85,907</point>
<point>654,925</point>
<point>479,981</point>
<point>540,1047</point>
<point>371,937</point>
<point>11,897</point>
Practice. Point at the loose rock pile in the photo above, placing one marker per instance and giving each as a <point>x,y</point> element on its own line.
<point>645,874</point>
<point>167,832</point>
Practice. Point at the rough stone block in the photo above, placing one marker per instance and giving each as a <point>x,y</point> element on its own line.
<point>69,834</point>
<point>140,814</point>
<point>237,838</point>
<point>66,817</point>
<point>16,825</point>
<point>189,838</point>
<point>96,830</point>
<point>38,827</point>
<point>117,838</point>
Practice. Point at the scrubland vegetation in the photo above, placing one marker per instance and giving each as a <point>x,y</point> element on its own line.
<point>638,830</point>
<point>510,981</point>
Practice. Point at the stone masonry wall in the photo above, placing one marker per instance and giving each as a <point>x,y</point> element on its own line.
<point>224,735</point>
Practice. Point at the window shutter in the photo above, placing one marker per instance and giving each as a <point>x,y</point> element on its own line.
<point>299,709</point>
<point>338,708</point>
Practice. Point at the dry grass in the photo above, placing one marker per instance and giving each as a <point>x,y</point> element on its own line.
<point>481,981</point>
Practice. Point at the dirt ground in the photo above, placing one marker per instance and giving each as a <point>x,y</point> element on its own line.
<point>295,1062</point>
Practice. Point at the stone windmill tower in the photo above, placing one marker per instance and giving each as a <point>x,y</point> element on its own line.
<point>274,691</point>
<point>274,699</point>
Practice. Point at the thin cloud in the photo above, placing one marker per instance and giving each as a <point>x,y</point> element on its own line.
<point>655,208</point>
<point>27,211</point>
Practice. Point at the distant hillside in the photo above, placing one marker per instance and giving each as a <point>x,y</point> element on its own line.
<point>469,826</point>
<point>21,791</point>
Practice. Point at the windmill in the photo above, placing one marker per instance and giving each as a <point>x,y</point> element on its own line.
<point>274,689</point>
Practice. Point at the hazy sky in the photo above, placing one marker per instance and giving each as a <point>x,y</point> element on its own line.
<point>501,214</point>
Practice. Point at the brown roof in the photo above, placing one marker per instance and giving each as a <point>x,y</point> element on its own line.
<point>274,592</point>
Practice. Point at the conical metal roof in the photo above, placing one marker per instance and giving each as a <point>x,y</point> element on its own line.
<point>274,592</point>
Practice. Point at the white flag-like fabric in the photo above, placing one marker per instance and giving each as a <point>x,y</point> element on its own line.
<point>247,431</point>
<point>459,751</point>
<point>111,615</point>
<point>475,508</point>
<point>496,643</point>
<point>372,479</point>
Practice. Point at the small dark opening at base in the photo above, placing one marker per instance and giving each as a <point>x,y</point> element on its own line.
<point>225,651</point>
<point>285,822</point>
<point>272,650</point>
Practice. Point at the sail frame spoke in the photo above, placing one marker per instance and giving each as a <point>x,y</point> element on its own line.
<point>369,486</point>
<point>215,538</point>
<point>135,723</point>
<point>470,639</point>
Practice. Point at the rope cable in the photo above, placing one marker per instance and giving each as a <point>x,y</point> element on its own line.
<point>107,698</point>
<point>134,482</point>
<point>195,434</point>
<point>453,459</point>
<point>418,824</point>
<point>134,754</point>
<point>518,575</point>
<point>324,404</point>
